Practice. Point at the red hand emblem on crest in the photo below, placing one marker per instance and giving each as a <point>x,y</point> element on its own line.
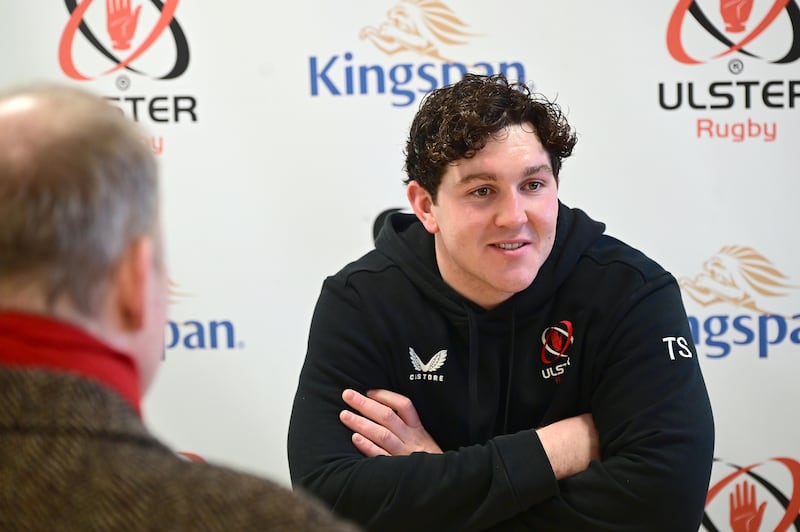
<point>745,517</point>
<point>735,14</point>
<point>121,22</point>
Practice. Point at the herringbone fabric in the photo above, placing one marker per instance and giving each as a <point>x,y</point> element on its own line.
<point>75,456</point>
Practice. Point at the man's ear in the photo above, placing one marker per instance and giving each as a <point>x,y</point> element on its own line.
<point>131,281</point>
<point>422,205</point>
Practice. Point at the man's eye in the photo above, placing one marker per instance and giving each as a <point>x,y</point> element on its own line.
<point>483,191</point>
<point>533,185</point>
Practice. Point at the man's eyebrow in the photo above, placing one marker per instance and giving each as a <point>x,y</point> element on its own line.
<point>533,170</point>
<point>527,172</point>
<point>478,175</point>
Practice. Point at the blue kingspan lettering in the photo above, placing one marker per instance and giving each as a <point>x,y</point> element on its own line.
<point>193,334</point>
<point>340,76</point>
<point>317,76</point>
<point>716,335</point>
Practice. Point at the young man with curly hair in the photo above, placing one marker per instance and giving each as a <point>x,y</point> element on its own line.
<point>498,362</point>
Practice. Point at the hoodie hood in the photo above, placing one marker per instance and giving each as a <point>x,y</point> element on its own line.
<point>406,242</point>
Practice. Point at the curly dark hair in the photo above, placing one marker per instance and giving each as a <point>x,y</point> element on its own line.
<point>454,122</point>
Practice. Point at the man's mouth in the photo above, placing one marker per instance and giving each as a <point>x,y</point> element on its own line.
<point>515,245</point>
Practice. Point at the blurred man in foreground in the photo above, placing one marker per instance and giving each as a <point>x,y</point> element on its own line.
<point>83,297</point>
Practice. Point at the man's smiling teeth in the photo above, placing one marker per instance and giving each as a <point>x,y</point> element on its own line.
<point>510,246</point>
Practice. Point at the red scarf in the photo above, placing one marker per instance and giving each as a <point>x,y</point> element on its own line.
<point>33,341</point>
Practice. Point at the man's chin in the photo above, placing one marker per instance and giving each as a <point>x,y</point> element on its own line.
<point>515,285</point>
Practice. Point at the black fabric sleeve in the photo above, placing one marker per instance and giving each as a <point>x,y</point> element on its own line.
<point>472,488</point>
<point>653,414</point>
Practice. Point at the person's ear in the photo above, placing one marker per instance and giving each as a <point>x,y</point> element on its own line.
<point>422,205</point>
<point>132,279</point>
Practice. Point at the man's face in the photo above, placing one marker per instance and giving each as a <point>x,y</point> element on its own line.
<point>495,216</point>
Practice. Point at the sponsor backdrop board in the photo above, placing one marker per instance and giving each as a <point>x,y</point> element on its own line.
<point>280,137</point>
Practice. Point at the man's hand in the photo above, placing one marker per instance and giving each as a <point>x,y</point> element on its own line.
<point>388,424</point>
<point>570,444</point>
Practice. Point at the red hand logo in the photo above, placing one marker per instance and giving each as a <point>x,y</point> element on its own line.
<point>735,13</point>
<point>745,517</point>
<point>121,22</point>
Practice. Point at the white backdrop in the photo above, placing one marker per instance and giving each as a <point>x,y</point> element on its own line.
<point>275,167</point>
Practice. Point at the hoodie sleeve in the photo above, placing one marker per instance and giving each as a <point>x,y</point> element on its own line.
<point>473,488</point>
<point>653,414</point>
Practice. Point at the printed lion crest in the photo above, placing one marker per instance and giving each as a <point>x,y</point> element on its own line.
<point>736,275</point>
<point>417,26</point>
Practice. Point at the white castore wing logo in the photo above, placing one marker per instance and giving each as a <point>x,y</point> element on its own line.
<point>436,361</point>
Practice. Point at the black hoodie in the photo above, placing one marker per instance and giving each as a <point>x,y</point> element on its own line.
<point>601,329</point>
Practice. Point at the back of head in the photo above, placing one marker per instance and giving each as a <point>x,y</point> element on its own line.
<point>455,121</point>
<point>77,185</point>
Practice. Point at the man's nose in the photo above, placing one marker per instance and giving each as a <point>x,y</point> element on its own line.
<point>511,210</point>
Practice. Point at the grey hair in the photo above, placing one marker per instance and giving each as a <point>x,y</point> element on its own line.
<point>78,184</point>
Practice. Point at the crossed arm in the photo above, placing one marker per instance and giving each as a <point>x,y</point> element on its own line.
<point>652,416</point>
<point>387,424</point>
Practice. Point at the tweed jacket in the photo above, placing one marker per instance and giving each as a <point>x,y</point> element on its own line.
<point>75,456</point>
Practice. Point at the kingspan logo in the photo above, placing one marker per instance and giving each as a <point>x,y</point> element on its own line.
<point>741,277</point>
<point>420,28</point>
<point>199,333</point>
<point>194,334</point>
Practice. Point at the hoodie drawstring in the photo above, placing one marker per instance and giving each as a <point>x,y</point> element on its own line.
<point>474,406</point>
<point>474,346</point>
<point>510,371</point>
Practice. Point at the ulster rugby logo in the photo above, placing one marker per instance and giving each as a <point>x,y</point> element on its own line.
<point>736,31</point>
<point>128,40</point>
<point>418,26</point>
<point>742,28</point>
<point>555,342</point>
<point>754,498</point>
<point>427,369</point>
